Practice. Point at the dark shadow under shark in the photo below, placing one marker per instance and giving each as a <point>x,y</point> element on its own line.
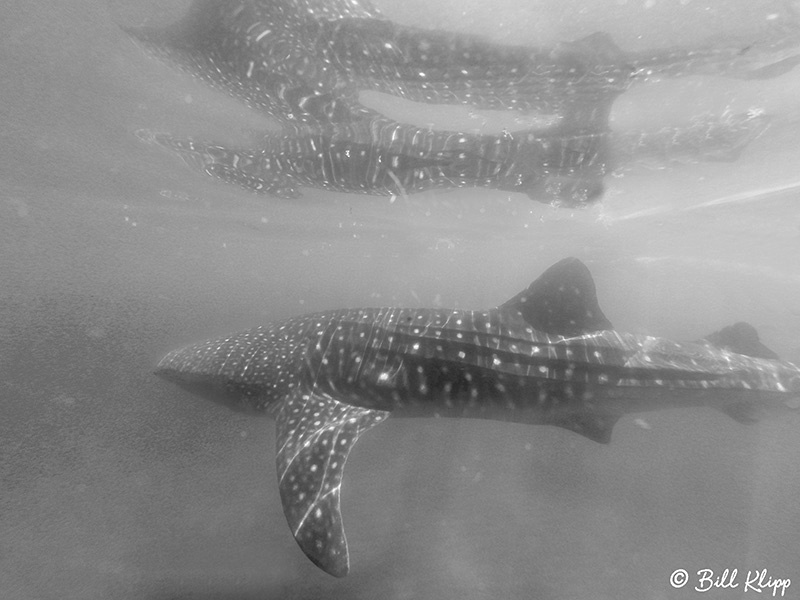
<point>547,356</point>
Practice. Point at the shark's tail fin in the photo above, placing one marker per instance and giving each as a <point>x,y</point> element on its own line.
<point>741,338</point>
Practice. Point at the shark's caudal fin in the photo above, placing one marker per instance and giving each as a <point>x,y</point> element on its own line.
<point>562,301</point>
<point>741,338</point>
<point>315,435</point>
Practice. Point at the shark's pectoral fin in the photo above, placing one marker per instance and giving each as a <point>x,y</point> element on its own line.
<point>315,435</point>
<point>597,426</point>
<point>773,70</point>
<point>746,413</point>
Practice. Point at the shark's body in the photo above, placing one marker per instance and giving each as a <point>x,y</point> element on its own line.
<point>558,168</point>
<point>548,356</point>
<point>306,62</point>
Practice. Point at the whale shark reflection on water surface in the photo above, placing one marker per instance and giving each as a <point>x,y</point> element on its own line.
<point>304,63</point>
<point>556,169</point>
<point>547,356</point>
<point>559,168</point>
<point>306,60</point>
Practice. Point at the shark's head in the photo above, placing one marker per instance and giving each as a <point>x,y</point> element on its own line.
<point>210,387</point>
<point>247,372</point>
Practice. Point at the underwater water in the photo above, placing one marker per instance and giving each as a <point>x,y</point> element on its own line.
<point>117,484</point>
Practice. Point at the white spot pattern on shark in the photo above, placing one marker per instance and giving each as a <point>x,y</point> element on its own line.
<point>547,356</point>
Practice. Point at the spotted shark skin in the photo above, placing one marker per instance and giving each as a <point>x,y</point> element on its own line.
<point>303,62</point>
<point>547,356</point>
<point>558,169</point>
<point>306,60</point>
<point>250,50</point>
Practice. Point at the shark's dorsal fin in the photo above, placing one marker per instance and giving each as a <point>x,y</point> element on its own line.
<point>741,338</point>
<point>315,435</point>
<point>562,301</point>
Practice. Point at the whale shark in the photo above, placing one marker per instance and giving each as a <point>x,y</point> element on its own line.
<point>557,168</point>
<point>389,159</point>
<point>547,356</point>
<point>306,62</point>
